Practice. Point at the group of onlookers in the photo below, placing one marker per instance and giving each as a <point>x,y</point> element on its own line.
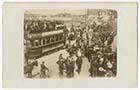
<point>42,26</point>
<point>95,43</point>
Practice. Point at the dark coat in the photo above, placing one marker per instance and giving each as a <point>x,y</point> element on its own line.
<point>61,64</point>
<point>43,68</point>
<point>79,61</point>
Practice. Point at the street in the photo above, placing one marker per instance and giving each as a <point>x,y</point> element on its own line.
<point>91,34</point>
<point>50,62</point>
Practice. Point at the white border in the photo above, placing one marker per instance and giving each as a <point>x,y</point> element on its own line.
<point>51,0</point>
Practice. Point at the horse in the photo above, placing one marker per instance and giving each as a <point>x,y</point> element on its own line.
<point>29,68</point>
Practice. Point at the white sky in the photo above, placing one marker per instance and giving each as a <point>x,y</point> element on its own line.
<point>55,11</point>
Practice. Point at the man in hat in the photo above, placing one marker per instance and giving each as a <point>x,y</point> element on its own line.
<point>43,69</point>
<point>93,66</point>
<point>60,56</point>
<point>72,64</point>
<point>79,64</point>
<point>29,69</point>
<point>68,68</point>
<point>61,63</point>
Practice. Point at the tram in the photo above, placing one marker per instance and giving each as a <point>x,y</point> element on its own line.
<point>43,38</point>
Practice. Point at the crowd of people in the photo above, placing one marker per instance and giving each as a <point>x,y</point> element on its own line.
<point>67,66</point>
<point>93,42</point>
<point>37,26</point>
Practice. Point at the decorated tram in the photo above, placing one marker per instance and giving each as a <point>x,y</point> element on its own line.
<point>43,37</point>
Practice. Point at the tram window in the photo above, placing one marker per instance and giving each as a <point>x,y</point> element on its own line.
<point>36,43</point>
<point>56,38</point>
<point>60,37</point>
<point>48,40</point>
<point>40,42</point>
<point>52,39</point>
<point>32,43</point>
<point>44,41</point>
<point>28,43</point>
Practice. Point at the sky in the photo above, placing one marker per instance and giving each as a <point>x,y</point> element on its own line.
<point>55,11</point>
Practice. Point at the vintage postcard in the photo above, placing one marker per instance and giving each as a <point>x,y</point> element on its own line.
<point>70,43</point>
<point>81,44</point>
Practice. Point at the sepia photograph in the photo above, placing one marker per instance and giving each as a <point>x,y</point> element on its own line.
<point>70,43</point>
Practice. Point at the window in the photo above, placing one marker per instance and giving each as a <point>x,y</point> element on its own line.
<point>61,37</point>
<point>28,43</point>
<point>48,40</point>
<point>57,38</point>
<point>36,42</point>
<point>44,41</point>
<point>52,39</point>
<point>32,43</point>
<point>40,42</point>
